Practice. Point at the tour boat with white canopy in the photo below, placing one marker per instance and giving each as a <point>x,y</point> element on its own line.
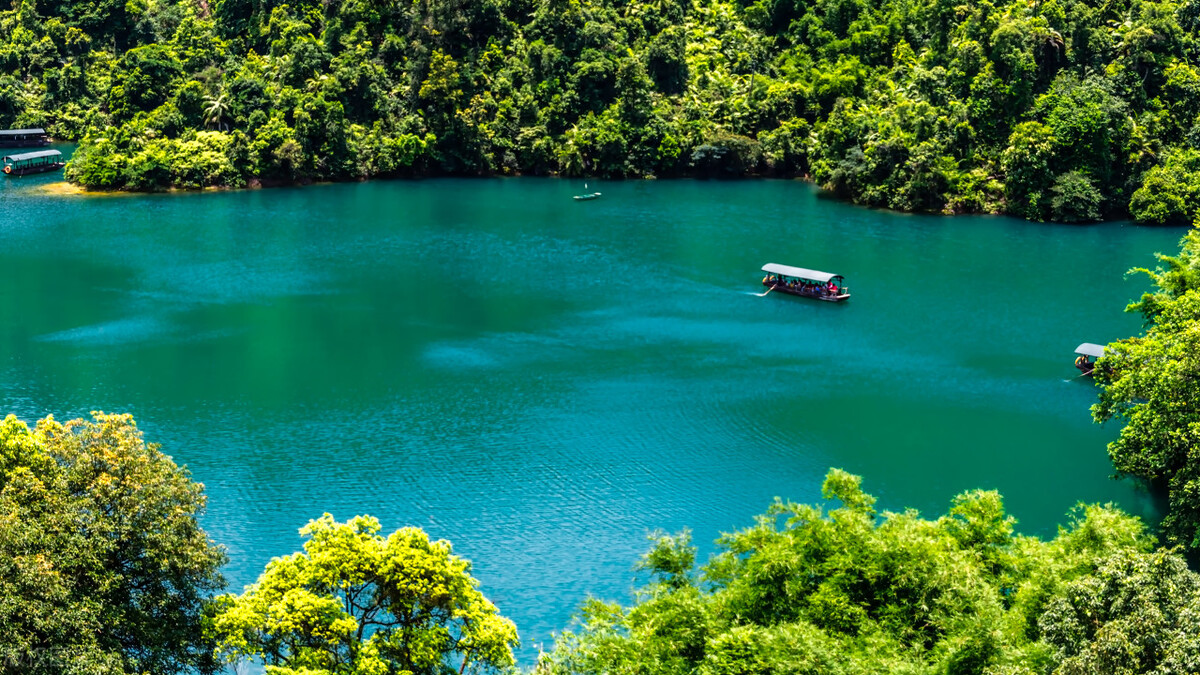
<point>804,282</point>
<point>1087,352</point>
<point>32,162</point>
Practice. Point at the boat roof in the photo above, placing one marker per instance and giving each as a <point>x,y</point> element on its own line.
<point>1090,349</point>
<point>789,271</point>
<point>32,155</point>
<point>21,132</point>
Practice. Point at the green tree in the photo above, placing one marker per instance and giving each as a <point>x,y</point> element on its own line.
<point>103,565</point>
<point>1076,199</point>
<point>1026,163</point>
<point>144,80</point>
<point>1149,383</point>
<point>357,602</point>
<point>216,109</point>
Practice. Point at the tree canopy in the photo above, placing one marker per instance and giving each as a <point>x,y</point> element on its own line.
<point>103,565</point>
<point>357,603</point>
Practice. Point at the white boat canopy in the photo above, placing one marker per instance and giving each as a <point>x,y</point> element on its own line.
<point>799,272</point>
<point>32,155</point>
<point>1090,349</point>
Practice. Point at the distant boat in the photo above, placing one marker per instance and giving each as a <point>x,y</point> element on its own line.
<point>586,196</point>
<point>807,283</point>
<point>33,162</point>
<point>23,138</point>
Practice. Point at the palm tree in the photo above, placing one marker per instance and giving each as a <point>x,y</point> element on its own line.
<point>217,109</point>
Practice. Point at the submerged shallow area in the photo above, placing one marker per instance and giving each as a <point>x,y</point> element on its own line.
<point>543,381</point>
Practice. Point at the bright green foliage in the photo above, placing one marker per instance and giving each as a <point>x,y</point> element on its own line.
<point>103,566</point>
<point>1150,382</point>
<point>355,602</point>
<point>1059,109</point>
<point>843,590</point>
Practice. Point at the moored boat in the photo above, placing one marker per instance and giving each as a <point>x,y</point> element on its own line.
<point>23,138</point>
<point>33,162</point>
<point>1087,352</point>
<point>804,282</point>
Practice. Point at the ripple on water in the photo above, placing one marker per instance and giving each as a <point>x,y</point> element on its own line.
<point>121,331</point>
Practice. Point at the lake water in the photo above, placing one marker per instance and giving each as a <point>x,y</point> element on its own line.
<point>544,382</point>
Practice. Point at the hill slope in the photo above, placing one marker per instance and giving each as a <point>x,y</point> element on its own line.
<point>1047,110</point>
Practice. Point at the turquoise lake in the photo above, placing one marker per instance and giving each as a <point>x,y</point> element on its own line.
<point>544,382</point>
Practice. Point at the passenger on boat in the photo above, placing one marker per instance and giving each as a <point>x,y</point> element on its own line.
<point>831,287</point>
<point>1081,361</point>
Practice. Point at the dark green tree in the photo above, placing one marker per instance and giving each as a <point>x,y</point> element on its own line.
<point>103,565</point>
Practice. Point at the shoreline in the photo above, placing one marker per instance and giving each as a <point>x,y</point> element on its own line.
<point>67,189</point>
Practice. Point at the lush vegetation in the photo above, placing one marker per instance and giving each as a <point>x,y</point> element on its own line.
<point>1053,109</point>
<point>846,590</point>
<point>103,567</point>
<point>1151,382</point>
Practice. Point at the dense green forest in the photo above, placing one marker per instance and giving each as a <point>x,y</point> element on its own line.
<point>1054,109</point>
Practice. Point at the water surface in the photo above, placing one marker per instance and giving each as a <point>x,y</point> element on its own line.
<point>543,382</point>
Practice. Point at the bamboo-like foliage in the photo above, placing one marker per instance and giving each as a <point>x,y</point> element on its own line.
<point>839,589</point>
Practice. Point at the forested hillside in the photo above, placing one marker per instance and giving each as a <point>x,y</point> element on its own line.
<point>1054,109</point>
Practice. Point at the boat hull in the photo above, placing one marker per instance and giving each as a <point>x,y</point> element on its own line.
<point>25,143</point>
<point>25,171</point>
<point>815,295</point>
